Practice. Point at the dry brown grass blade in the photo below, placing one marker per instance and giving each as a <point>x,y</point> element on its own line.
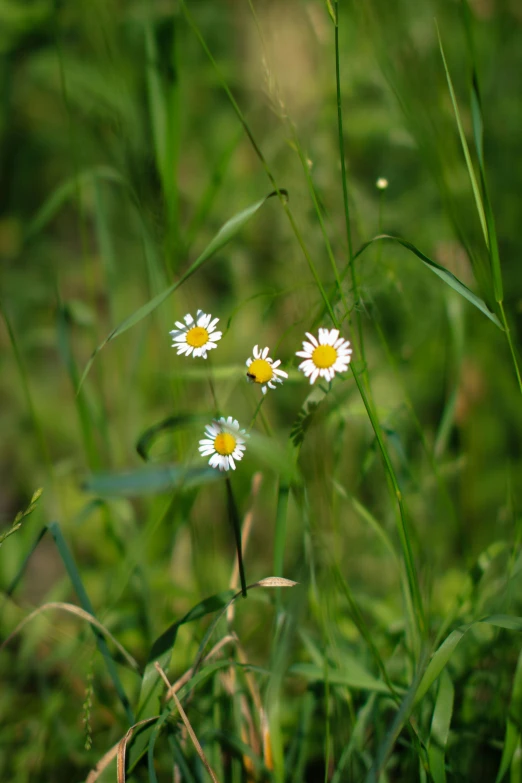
<point>189,673</point>
<point>122,748</point>
<point>102,764</point>
<point>78,612</point>
<point>267,744</point>
<point>186,721</point>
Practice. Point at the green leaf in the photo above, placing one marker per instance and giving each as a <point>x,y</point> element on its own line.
<point>444,274</point>
<point>224,235</point>
<point>445,651</point>
<point>440,726</point>
<point>67,190</point>
<point>398,723</point>
<point>150,480</point>
<point>169,424</point>
<point>512,737</point>
<point>465,148</point>
<point>352,675</point>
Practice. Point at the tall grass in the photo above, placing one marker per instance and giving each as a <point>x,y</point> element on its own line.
<point>345,605</point>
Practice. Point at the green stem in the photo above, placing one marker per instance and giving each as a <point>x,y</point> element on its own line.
<point>510,343</point>
<point>345,191</point>
<point>236,526</point>
<point>411,573</point>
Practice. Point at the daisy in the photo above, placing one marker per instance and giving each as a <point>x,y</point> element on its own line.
<point>326,355</point>
<point>225,442</point>
<point>263,369</point>
<point>196,336</point>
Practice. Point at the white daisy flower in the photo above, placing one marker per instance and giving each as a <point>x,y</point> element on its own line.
<point>263,370</point>
<point>196,336</point>
<point>326,355</point>
<point>224,443</point>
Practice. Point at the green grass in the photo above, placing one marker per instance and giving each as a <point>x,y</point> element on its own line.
<point>158,159</point>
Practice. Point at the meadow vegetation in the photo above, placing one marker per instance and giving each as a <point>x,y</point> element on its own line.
<point>285,167</point>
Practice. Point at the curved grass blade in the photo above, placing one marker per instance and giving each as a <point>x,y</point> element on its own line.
<point>161,652</point>
<point>82,614</point>
<point>445,651</point>
<point>224,235</point>
<point>441,272</point>
<point>67,190</point>
<point>151,691</point>
<point>150,435</point>
<point>74,576</point>
<point>440,726</point>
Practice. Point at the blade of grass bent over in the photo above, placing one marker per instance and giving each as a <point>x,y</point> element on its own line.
<point>161,652</point>
<point>224,235</point>
<point>74,575</point>
<point>444,274</point>
<point>442,655</point>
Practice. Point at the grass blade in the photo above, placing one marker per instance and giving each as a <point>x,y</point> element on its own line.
<point>395,729</point>
<point>444,274</point>
<point>512,736</point>
<point>68,190</point>
<point>353,676</point>
<point>445,651</point>
<point>150,480</point>
<point>224,235</point>
<point>161,652</point>
<point>74,576</point>
<point>440,726</point>
<point>146,441</point>
<point>465,148</point>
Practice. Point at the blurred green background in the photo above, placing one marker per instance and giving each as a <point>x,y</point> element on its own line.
<point>120,158</point>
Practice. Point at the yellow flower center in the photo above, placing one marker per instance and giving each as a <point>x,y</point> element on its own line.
<point>197,336</point>
<point>324,356</point>
<point>224,443</point>
<point>260,371</point>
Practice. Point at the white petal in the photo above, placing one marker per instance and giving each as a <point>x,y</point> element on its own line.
<point>305,354</point>
<point>314,375</point>
<point>265,353</point>
<point>312,339</point>
<point>231,462</point>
